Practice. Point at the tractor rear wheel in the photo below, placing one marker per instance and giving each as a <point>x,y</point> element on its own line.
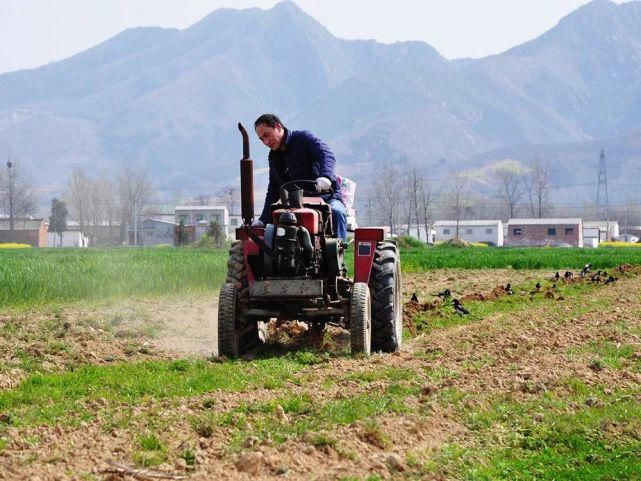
<point>360,322</point>
<point>230,307</point>
<point>385,286</point>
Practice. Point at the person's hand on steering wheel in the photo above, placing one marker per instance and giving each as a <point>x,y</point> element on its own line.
<point>323,184</point>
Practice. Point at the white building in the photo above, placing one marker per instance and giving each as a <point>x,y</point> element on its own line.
<point>71,237</point>
<point>420,232</point>
<point>595,232</point>
<point>200,216</point>
<point>487,231</point>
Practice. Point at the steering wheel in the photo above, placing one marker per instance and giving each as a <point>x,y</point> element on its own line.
<point>314,192</point>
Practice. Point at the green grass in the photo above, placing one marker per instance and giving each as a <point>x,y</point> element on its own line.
<point>39,276</point>
<point>422,259</point>
<point>67,398</point>
<point>551,437</point>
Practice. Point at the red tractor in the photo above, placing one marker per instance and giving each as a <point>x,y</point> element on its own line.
<point>293,269</point>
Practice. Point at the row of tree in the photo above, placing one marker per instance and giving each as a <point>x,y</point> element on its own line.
<point>403,194</point>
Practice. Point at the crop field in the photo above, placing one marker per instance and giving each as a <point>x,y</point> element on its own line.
<point>108,372</point>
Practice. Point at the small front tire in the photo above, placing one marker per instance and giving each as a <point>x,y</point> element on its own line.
<point>360,324</point>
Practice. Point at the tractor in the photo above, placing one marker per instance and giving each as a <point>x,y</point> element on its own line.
<point>293,269</point>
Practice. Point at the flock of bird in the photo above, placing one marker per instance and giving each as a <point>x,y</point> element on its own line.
<point>600,277</point>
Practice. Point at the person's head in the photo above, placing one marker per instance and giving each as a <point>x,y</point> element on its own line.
<point>270,130</point>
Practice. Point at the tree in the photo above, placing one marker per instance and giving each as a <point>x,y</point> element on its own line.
<point>58,219</point>
<point>425,199</point>
<point>215,233</point>
<point>458,199</point>
<point>134,192</point>
<point>17,198</point>
<point>387,186</point>
<point>79,192</point>
<point>509,178</point>
<point>537,184</point>
<point>413,179</point>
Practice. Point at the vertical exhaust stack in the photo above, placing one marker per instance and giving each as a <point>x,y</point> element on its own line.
<point>246,180</point>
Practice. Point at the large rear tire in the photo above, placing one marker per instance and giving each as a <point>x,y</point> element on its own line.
<point>230,307</point>
<point>360,322</point>
<point>386,288</point>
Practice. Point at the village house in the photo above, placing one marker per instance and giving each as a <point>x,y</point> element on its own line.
<point>72,236</point>
<point>595,232</point>
<point>545,232</point>
<point>489,232</point>
<point>201,216</point>
<point>26,231</point>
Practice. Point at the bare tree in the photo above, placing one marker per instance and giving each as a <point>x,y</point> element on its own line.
<point>230,197</point>
<point>537,184</point>
<point>79,198</point>
<point>387,185</point>
<point>458,198</point>
<point>17,198</point>
<point>509,178</point>
<point>426,197</point>
<point>413,180</point>
<point>134,193</point>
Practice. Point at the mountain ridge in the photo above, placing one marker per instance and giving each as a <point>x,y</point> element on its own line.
<point>168,100</point>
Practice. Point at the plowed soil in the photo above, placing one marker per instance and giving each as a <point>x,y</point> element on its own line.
<point>529,351</point>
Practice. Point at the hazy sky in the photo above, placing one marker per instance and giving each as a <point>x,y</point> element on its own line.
<point>35,32</point>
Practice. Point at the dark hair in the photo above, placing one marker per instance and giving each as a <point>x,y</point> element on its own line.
<point>270,120</point>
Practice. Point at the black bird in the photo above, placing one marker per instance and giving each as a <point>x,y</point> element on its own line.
<point>610,280</point>
<point>414,298</point>
<point>557,276</point>
<point>461,310</point>
<point>585,270</point>
<point>568,274</point>
<point>446,294</point>
<point>508,289</point>
<point>537,286</point>
<point>458,308</point>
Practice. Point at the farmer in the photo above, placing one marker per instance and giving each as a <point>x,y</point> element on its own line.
<point>297,155</point>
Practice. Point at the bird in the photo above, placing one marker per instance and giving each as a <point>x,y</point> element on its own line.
<point>568,274</point>
<point>585,270</point>
<point>610,280</point>
<point>537,286</point>
<point>445,294</point>
<point>508,289</point>
<point>557,276</point>
<point>414,298</point>
<point>461,310</point>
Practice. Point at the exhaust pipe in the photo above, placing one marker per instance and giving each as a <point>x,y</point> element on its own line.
<point>246,180</point>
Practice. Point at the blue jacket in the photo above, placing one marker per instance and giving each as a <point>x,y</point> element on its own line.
<point>305,157</point>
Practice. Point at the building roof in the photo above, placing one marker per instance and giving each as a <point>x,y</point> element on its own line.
<point>23,224</point>
<point>544,221</point>
<point>440,223</point>
<point>200,207</point>
<point>595,224</point>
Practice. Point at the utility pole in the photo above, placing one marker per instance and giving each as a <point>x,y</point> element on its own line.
<point>135,225</point>
<point>11,186</point>
<point>602,204</point>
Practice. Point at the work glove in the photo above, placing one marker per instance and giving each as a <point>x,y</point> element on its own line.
<point>258,223</point>
<point>323,184</point>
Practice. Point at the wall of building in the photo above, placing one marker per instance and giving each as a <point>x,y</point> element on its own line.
<point>540,235</point>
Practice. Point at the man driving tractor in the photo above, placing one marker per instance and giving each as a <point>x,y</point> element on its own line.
<point>298,154</point>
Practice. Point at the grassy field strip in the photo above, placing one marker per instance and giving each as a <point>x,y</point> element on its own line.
<point>31,277</point>
<point>35,277</point>
<point>527,423</point>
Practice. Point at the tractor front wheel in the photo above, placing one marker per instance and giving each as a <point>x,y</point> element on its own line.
<point>236,335</point>
<point>360,322</point>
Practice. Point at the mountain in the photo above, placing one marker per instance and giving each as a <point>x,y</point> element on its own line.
<point>168,100</point>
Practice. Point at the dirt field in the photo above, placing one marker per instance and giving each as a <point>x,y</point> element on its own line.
<point>521,352</point>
